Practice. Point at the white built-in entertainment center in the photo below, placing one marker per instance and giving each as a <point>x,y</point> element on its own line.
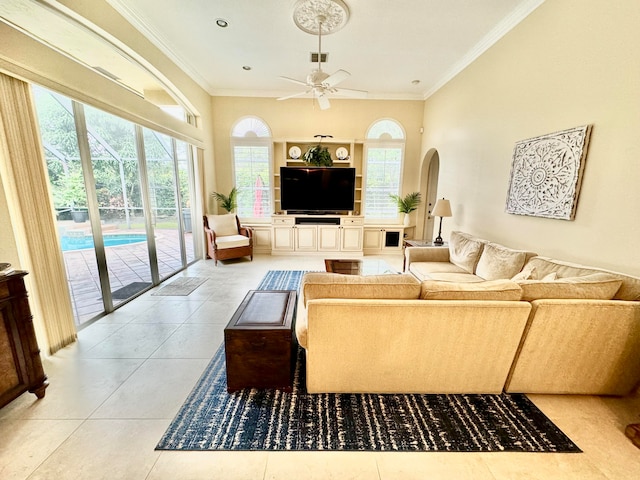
<point>342,234</point>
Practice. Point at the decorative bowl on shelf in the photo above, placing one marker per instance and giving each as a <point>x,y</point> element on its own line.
<point>295,152</point>
<point>342,153</point>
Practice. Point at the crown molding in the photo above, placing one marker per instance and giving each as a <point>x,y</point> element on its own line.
<point>141,24</point>
<point>499,31</point>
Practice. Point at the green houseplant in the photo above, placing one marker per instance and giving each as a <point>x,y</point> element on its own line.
<point>407,204</point>
<point>318,156</point>
<point>228,202</point>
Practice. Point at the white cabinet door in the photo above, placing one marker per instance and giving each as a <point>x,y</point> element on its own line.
<point>351,239</point>
<point>262,239</point>
<point>328,238</point>
<point>283,238</point>
<point>306,238</point>
<point>372,239</point>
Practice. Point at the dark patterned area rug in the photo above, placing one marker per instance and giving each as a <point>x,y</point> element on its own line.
<point>212,419</point>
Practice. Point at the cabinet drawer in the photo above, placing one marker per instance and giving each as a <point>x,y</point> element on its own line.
<point>352,221</point>
<point>283,221</point>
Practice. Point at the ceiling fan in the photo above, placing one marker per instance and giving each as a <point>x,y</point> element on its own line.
<point>320,83</point>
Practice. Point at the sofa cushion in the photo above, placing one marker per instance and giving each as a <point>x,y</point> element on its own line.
<point>334,285</point>
<point>499,262</point>
<point>490,290</point>
<point>597,286</point>
<point>424,270</point>
<point>223,225</point>
<point>630,289</point>
<point>465,250</point>
<point>454,277</point>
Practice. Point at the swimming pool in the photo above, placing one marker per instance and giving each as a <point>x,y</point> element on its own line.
<point>70,243</point>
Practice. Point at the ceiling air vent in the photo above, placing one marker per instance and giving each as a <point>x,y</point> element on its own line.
<point>323,57</point>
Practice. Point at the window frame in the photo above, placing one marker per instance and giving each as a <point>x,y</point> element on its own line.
<point>254,141</point>
<point>384,141</point>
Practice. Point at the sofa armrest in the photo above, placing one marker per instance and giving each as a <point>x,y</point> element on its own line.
<point>424,254</point>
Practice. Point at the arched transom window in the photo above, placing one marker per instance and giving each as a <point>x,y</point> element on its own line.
<point>252,147</point>
<point>384,156</point>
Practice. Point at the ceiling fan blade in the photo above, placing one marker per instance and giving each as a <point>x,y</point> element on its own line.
<point>299,82</point>
<point>348,92</point>
<point>336,78</point>
<point>323,101</point>
<point>294,95</point>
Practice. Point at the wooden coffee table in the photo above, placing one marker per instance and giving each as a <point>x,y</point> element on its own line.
<point>358,266</point>
<point>260,343</point>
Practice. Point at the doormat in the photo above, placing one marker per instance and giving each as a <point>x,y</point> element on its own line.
<point>180,287</point>
<point>129,290</point>
<point>251,419</point>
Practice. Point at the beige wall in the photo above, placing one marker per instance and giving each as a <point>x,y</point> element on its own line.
<point>300,119</point>
<point>570,63</point>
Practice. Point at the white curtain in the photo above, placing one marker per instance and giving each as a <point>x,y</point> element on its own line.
<point>26,185</point>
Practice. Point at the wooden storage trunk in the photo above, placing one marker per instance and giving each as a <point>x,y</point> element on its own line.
<point>260,343</point>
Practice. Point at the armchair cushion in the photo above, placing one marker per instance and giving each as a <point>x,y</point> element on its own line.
<point>223,225</point>
<point>232,241</point>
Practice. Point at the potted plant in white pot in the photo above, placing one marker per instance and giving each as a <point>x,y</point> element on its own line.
<point>407,204</point>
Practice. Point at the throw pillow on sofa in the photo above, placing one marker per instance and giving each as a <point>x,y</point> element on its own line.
<point>597,286</point>
<point>465,250</point>
<point>532,274</point>
<point>498,262</point>
<point>505,290</point>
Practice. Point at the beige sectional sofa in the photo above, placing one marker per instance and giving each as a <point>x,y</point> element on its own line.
<point>546,326</point>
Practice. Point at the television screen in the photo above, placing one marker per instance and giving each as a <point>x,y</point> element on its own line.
<point>317,189</point>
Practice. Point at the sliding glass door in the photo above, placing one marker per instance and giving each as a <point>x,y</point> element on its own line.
<point>122,196</point>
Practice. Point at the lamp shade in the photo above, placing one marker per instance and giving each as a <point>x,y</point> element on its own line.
<point>442,208</point>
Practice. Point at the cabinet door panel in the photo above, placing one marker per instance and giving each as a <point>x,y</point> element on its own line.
<point>282,238</point>
<point>329,238</point>
<point>10,376</point>
<point>373,238</point>
<point>306,238</point>
<point>351,239</point>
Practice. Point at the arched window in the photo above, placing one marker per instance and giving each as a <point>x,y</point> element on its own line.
<point>252,150</point>
<point>384,156</point>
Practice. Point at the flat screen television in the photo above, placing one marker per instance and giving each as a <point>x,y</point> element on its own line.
<point>317,189</point>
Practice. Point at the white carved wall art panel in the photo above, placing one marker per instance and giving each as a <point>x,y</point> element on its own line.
<point>546,173</point>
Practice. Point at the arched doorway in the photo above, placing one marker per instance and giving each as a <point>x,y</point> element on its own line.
<point>429,188</point>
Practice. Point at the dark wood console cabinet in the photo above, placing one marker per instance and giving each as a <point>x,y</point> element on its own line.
<point>20,364</point>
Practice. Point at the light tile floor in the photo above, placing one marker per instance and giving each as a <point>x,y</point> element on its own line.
<point>113,394</point>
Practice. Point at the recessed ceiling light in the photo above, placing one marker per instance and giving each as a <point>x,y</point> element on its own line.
<point>246,67</point>
<point>222,23</point>
<point>415,82</point>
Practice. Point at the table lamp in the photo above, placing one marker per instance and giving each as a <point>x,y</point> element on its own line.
<point>441,209</point>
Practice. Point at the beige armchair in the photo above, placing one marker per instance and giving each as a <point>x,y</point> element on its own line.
<point>226,238</point>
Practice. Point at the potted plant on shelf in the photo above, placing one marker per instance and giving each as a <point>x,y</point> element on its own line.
<point>318,156</point>
<point>228,202</point>
<point>407,204</point>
